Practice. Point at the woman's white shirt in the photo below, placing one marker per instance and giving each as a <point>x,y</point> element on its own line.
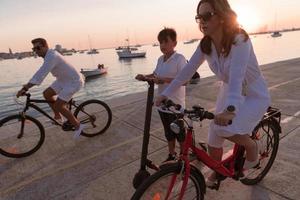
<point>238,67</point>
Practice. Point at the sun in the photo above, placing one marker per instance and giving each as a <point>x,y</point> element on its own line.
<point>247,18</point>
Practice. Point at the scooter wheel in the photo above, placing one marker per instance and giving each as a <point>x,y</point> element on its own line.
<point>139,178</point>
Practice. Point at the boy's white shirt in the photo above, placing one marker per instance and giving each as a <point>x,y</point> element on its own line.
<point>170,69</point>
<point>58,67</point>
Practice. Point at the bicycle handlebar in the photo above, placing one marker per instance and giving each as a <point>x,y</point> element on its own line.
<point>197,111</point>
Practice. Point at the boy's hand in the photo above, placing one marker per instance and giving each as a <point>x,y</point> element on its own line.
<point>158,80</point>
<point>140,77</point>
<point>159,99</point>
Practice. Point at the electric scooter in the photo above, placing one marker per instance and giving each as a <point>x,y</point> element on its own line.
<point>143,174</point>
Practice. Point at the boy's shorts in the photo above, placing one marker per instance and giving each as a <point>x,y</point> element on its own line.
<point>65,91</point>
<point>167,119</point>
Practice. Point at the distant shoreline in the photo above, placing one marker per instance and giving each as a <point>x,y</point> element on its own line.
<point>268,32</point>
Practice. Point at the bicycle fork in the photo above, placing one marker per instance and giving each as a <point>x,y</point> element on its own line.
<point>183,176</point>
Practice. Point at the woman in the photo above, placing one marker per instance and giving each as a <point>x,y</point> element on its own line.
<point>243,96</point>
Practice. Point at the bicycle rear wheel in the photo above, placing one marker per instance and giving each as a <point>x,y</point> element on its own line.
<point>267,135</point>
<point>20,136</point>
<point>95,115</point>
<point>156,186</point>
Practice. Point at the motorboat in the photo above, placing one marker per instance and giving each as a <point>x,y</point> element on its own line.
<point>93,72</point>
<point>120,48</point>
<point>276,34</point>
<point>129,53</point>
<point>67,54</point>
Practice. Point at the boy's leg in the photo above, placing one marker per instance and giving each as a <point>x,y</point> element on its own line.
<point>171,146</point>
<point>49,94</point>
<point>166,119</point>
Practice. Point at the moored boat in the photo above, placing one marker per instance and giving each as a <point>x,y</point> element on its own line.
<point>276,34</point>
<point>129,53</point>
<point>93,72</point>
<point>93,51</point>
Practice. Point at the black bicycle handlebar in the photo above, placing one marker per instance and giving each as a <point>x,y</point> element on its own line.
<point>197,110</point>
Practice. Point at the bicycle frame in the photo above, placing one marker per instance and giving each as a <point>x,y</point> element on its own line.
<point>218,166</point>
<point>30,103</point>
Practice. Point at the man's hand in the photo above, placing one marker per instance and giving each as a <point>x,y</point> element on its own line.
<point>140,77</point>
<point>223,119</point>
<point>21,92</point>
<point>159,99</point>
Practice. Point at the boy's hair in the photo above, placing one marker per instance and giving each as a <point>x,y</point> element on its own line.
<point>163,35</point>
<point>41,41</point>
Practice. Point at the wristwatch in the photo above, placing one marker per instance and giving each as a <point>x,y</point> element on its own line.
<point>230,109</point>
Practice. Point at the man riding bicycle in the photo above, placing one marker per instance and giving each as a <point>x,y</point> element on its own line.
<point>68,82</point>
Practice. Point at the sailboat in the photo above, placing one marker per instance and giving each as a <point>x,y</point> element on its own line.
<point>91,72</point>
<point>92,51</point>
<point>189,41</point>
<point>276,33</point>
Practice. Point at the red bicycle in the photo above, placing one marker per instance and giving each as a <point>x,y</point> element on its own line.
<point>182,180</point>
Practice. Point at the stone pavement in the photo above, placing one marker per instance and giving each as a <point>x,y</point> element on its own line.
<point>102,168</point>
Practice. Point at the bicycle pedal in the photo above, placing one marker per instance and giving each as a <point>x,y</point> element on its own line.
<point>67,126</point>
<point>216,186</point>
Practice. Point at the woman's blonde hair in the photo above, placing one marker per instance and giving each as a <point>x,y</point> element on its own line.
<point>230,26</point>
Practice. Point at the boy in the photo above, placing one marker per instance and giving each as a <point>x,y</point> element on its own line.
<point>168,66</point>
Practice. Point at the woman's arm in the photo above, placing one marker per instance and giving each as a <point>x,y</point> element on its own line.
<point>186,73</point>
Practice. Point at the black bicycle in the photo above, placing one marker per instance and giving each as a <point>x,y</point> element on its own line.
<point>21,135</point>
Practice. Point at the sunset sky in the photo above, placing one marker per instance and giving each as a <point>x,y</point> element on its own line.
<point>109,22</point>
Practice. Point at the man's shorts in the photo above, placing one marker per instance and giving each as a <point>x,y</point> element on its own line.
<point>66,90</point>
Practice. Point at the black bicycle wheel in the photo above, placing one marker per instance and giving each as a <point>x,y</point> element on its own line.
<point>95,115</point>
<point>267,135</point>
<point>156,186</point>
<point>20,136</point>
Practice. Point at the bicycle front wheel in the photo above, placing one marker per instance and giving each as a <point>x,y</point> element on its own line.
<point>20,136</point>
<point>95,115</point>
<point>267,135</point>
<point>157,185</point>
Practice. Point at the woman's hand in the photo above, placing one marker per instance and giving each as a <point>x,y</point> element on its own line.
<point>159,99</point>
<point>223,119</point>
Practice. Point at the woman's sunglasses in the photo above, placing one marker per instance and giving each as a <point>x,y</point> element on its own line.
<point>205,16</point>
